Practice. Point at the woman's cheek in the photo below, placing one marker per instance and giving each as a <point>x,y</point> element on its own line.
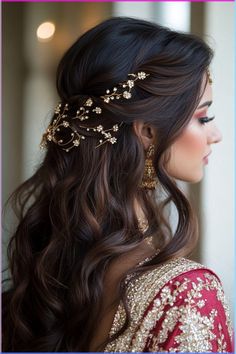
<point>192,141</point>
<point>186,154</point>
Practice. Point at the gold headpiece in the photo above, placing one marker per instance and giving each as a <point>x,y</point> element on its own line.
<point>62,118</point>
<point>127,85</point>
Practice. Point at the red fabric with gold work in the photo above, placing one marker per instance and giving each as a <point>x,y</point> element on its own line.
<point>194,315</point>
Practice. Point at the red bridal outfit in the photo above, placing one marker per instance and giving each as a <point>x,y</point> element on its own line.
<point>177,307</point>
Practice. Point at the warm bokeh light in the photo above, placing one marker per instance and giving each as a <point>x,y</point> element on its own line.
<point>45,31</point>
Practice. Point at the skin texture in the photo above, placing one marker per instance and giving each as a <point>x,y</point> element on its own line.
<point>187,153</point>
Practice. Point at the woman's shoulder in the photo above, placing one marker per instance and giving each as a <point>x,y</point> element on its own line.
<point>182,279</point>
<point>177,269</point>
<point>189,312</point>
<point>179,266</point>
<point>178,280</point>
<point>169,302</point>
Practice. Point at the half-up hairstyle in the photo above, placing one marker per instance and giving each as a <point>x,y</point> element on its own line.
<point>76,213</point>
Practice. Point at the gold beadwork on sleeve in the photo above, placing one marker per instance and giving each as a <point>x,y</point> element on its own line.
<point>196,331</point>
<point>140,293</point>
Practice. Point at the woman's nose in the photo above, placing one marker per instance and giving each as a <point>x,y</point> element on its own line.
<point>215,135</point>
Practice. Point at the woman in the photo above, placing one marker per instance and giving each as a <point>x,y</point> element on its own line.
<point>94,264</point>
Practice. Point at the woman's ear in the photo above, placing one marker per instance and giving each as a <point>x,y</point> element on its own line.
<point>145,132</point>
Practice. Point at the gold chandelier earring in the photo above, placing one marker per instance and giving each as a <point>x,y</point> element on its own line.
<point>149,180</point>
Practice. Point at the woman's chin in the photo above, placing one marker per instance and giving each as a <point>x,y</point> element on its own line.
<point>191,178</point>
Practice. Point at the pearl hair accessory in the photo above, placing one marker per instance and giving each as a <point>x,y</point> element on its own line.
<point>63,117</point>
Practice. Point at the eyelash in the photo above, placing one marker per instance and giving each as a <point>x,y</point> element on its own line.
<point>205,120</point>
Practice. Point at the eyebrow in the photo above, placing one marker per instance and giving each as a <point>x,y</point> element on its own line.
<point>207,103</point>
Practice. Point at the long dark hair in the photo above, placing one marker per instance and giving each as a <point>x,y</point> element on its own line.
<point>76,213</point>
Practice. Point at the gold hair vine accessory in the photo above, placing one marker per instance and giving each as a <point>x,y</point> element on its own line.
<point>84,112</point>
<point>127,85</point>
<point>73,140</point>
<point>61,122</point>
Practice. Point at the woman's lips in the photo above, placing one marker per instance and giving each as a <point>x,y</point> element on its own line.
<point>205,159</point>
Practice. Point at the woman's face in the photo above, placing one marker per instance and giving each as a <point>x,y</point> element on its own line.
<point>189,153</point>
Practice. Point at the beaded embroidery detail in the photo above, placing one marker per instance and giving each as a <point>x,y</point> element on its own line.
<point>141,293</point>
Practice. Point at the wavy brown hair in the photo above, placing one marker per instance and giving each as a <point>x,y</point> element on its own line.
<point>76,213</point>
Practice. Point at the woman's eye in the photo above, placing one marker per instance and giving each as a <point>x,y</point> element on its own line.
<point>204,120</point>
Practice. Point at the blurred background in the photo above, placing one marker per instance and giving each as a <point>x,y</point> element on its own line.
<point>35,35</point>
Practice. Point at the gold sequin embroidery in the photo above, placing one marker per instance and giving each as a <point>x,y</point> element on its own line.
<point>141,292</point>
<point>196,329</point>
